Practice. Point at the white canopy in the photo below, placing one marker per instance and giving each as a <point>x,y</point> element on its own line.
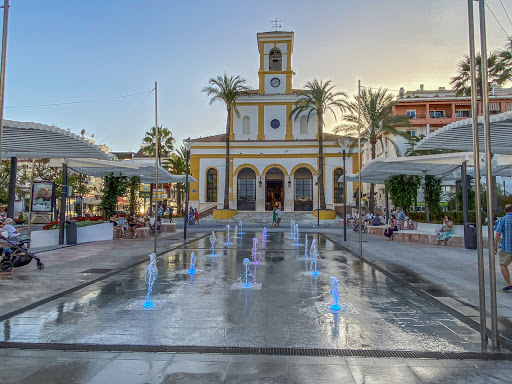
<point>459,135</point>
<point>36,141</point>
<point>441,165</point>
<point>100,168</point>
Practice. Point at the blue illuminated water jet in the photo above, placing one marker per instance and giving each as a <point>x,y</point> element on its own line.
<point>313,253</point>
<point>150,277</point>
<point>241,228</point>
<point>192,269</point>
<point>227,235</point>
<point>247,283</point>
<point>334,291</point>
<point>254,250</point>
<point>292,227</point>
<point>306,248</point>
<point>213,240</point>
<point>264,236</point>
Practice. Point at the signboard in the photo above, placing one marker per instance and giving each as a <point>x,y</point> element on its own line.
<point>43,196</point>
<point>79,199</point>
<point>144,190</point>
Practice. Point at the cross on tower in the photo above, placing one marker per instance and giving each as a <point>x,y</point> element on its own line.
<point>276,24</point>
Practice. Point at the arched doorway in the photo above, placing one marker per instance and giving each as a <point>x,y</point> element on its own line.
<point>246,191</point>
<point>274,189</point>
<point>303,190</point>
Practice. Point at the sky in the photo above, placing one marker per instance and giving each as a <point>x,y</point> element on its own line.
<point>61,52</point>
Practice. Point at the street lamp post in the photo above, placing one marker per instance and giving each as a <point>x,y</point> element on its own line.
<point>343,142</point>
<point>318,199</point>
<point>187,145</point>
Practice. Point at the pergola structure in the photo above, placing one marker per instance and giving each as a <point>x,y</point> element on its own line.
<point>459,135</point>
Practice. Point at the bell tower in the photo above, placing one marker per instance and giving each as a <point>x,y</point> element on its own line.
<point>275,73</point>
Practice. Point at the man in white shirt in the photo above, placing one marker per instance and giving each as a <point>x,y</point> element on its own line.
<point>278,214</point>
<point>9,228</point>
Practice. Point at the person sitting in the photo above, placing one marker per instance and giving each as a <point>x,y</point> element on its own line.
<point>9,228</point>
<point>446,231</point>
<point>393,227</point>
<point>131,226</point>
<point>378,221</point>
<point>368,218</point>
<point>118,229</point>
<point>409,223</point>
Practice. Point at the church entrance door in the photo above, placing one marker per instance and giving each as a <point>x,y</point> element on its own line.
<point>275,195</point>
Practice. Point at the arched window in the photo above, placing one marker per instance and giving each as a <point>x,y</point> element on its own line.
<point>303,124</point>
<point>246,124</point>
<point>303,190</point>
<point>275,60</point>
<point>338,186</point>
<point>211,185</point>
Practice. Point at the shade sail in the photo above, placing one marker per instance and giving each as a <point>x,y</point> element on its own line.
<point>379,170</point>
<point>36,141</point>
<point>459,135</point>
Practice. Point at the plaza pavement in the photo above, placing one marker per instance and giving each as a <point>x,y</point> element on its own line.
<point>447,271</point>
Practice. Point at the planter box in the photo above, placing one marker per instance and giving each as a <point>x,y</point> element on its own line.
<point>46,238</point>
<point>97,232</point>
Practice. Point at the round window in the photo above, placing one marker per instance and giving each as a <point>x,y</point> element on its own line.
<point>275,123</point>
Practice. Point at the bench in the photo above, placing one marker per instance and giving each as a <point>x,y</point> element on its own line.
<point>168,227</point>
<point>425,233</point>
<point>141,233</point>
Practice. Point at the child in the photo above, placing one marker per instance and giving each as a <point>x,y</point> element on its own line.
<point>196,216</point>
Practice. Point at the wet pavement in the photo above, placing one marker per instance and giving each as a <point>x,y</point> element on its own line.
<point>290,310</point>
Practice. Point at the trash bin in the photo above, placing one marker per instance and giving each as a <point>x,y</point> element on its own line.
<point>470,236</point>
<point>71,232</point>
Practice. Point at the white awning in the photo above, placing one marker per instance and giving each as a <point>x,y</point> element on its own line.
<point>459,135</point>
<point>442,166</point>
<point>38,141</point>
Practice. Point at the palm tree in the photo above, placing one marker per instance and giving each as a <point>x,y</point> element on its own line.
<point>165,143</point>
<point>372,112</point>
<point>319,97</point>
<point>499,64</point>
<point>176,164</point>
<point>226,89</point>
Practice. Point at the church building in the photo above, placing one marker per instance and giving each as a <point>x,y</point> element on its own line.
<point>273,159</point>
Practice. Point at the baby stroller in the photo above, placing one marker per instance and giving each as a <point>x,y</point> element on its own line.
<point>158,226</point>
<point>363,226</point>
<point>17,254</point>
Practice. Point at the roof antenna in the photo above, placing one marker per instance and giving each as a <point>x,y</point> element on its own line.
<point>276,24</point>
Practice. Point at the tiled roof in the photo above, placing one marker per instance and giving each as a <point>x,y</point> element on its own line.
<point>140,154</point>
<point>222,138</point>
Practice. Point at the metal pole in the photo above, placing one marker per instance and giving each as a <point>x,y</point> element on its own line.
<point>29,230</point>
<point>465,194</point>
<point>156,168</point>
<point>476,159</point>
<point>63,198</point>
<point>344,199</point>
<point>490,195</point>
<point>2,71</point>
<point>185,216</point>
<point>387,204</point>
<point>360,166</point>
<point>318,200</point>
<point>12,188</point>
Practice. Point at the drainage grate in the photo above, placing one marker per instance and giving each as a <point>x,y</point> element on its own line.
<point>97,270</point>
<point>322,352</point>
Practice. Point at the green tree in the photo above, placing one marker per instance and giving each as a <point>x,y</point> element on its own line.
<point>165,143</point>
<point>318,98</point>
<point>133,188</point>
<point>433,192</point>
<point>403,189</point>
<point>226,89</point>
<point>113,187</point>
<point>499,64</point>
<point>372,113</point>
<point>176,165</point>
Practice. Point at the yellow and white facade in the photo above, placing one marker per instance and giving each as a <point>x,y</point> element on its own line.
<point>273,159</point>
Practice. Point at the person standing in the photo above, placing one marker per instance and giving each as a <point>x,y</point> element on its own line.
<point>171,211</point>
<point>274,217</point>
<point>503,231</point>
<point>278,214</point>
<point>401,219</point>
<point>196,216</point>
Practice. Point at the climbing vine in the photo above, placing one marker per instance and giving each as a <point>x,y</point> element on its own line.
<point>113,187</point>
<point>403,189</point>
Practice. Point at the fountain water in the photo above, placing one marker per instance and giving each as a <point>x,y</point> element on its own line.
<point>213,240</point>
<point>254,250</point>
<point>264,237</point>
<point>192,269</point>
<point>297,234</point>
<point>248,273</point>
<point>334,291</point>
<point>236,230</point>
<point>306,248</point>
<point>227,235</point>
<point>242,228</point>
<point>292,227</point>
<point>150,277</point>
<point>313,253</point>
